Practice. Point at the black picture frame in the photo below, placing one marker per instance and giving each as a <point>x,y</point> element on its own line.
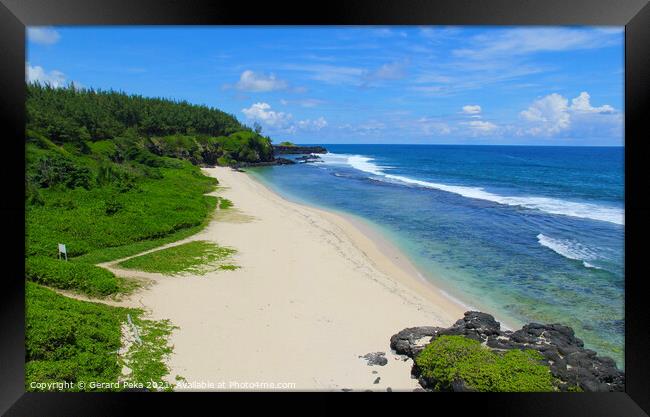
<point>634,14</point>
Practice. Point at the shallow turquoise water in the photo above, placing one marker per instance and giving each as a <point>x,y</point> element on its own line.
<point>525,233</point>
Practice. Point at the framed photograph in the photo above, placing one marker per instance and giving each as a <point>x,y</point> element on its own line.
<point>218,198</point>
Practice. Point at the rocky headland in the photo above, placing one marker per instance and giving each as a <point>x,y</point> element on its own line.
<point>275,161</point>
<point>295,149</point>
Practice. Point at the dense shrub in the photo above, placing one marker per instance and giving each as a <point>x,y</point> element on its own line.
<point>456,359</point>
<point>86,278</point>
<point>70,340</point>
<point>73,341</point>
<point>33,195</point>
<point>53,170</point>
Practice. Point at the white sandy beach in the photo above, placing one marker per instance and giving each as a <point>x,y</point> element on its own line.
<point>314,292</point>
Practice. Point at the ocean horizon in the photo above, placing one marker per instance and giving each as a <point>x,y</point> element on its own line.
<point>526,233</point>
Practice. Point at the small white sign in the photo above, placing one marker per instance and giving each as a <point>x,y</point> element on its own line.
<point>63,251</point>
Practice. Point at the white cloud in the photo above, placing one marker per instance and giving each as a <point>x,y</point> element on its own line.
<point>430,77</point>
<point>430,126</point>
<point>43,35</point>
<point>530,40</point>
<point>439,34</point>
<point>53,78</point>
<point>316,124</point>
<point>427,89</point>
<point>367,128</point>
<point>262,112</point>
<point>552,114</point>
<point>254,82</point>
<point>389,33</point>
<point>582,104</point>
<point>330,74</point>
<point>480,126</point>
<point>281,121</point>
<point>310,102</point>
<point>549,114</point>
<point>391,71</point>
<point>472,109</point>
<point>307,102</point>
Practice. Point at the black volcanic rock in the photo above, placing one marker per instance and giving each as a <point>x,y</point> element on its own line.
<point>276,161</point>
<point>309,158</point>
<point>562,351</point>
<point>280,150</point>
<point>375,358</point>
<point>411,341</point>
<point>475,325</point>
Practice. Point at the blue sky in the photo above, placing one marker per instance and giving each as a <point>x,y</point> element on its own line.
<point>402,84</point>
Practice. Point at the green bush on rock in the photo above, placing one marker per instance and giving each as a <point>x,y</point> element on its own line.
<point>452,360</point>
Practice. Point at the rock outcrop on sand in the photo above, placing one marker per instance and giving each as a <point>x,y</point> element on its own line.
<point>562,351</point>
<point>375,358</point>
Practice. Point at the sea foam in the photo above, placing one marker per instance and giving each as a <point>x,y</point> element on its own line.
<point>545,204</point>
<point>569,249</point>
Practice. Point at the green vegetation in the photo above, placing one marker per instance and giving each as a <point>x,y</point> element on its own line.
<point>158,202</point>
<point>146,359</point>
<point>111,175</point>
<point>78,342</point>
<point>452,358</point>
<point>224,203</point>
<point>99,181</point>
<point>197,257</point>
<point>287,143</point>
<point>71,114</point>
<point>86,278</point>
<point>118,252</point>
<point>140,128</point>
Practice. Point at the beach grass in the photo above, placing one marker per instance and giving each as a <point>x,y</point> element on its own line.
<point>197,257</point>
<point>146,360</point>
<point>224,203</point>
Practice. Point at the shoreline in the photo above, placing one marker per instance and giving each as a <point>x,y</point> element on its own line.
<point>386,256</point>
<point>379,250</point>
<point>312,295</point>
<point>360,229</point>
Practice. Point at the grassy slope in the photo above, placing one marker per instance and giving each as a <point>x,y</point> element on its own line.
<point>105,216</point>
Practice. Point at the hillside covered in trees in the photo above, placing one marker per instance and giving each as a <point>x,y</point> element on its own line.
<point>135,124</point>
